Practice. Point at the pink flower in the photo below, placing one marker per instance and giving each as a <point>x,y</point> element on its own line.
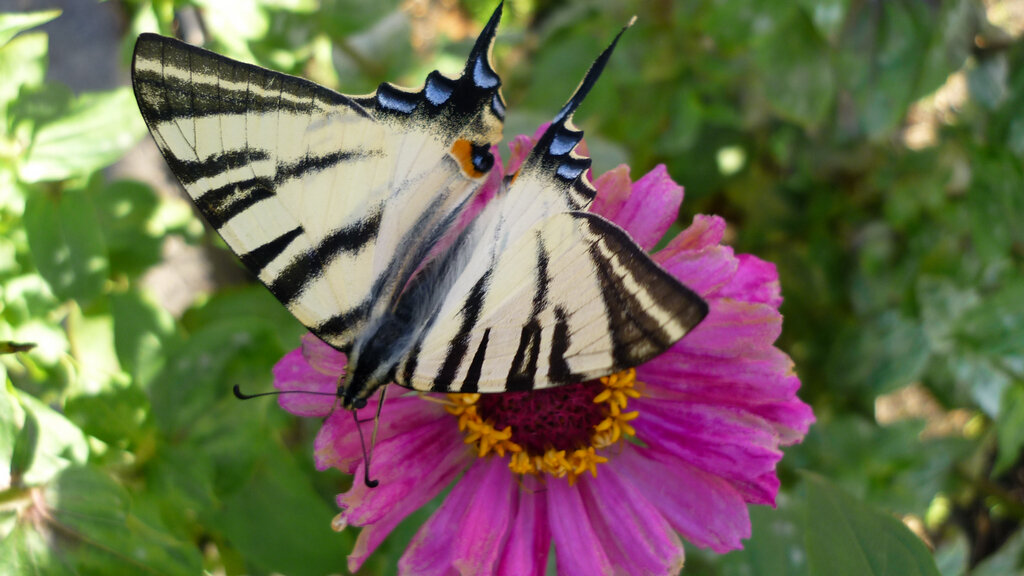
<point>529,469</point>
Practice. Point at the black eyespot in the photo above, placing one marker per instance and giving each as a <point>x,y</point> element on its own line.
<point>483,160</point>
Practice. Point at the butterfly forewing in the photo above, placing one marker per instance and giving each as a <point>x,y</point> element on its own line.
<point>332,201</point>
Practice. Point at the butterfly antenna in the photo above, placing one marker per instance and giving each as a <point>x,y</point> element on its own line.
<point>590,79</point>
<point>243,396</point>
<point>366,456</point>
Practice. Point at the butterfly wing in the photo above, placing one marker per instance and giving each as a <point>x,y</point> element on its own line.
<point>550,294</point>
<point>331,201</point>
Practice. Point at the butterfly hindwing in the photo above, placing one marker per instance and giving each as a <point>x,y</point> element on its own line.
<point>331,200</point>
<point>573,299</point>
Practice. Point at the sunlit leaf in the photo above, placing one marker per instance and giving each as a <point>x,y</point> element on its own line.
<point>60,443</point>
<point>67,244</point>
<point>22,63</point>
<point>142,331</point>
<point>97,129</point>
<point>11,23</point>
<point>126,211</point>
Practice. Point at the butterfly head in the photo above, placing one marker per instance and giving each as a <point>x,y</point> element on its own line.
<point>363,378</point>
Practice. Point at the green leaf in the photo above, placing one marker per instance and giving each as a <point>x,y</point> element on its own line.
<point>986,80</point>
<point>996,326</point>
<point>26,551</point>
<point>115,416</point>
<point>97,129</point>
<point>796,70</point>
<point>880,356</point>
<point>91,336</point>
<point>61,444</point>
<point>142,332</point>
<point>942,305</point>
<point>846,537</point>
<point>11,23</point>
<point>22,63</point>
<point>882,55</point>
<point>127,211</point>
<point>103,537</point>
<point>204,368</point>
<point>1009,559</point>
<point>1010,429</point>
<point>952,557</point>
<point>995,203</point>
<point>251,519</point>
<point>11,419</point>
<point>25,446</point>
<point>776,545</point>
<point>67,244</point>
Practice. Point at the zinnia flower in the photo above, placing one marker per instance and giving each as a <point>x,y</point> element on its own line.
<point>612,471</point>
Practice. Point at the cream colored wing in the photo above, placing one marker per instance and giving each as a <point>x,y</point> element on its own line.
<point>573,299</point>
<point>549,294</point>
<point>331,200</point>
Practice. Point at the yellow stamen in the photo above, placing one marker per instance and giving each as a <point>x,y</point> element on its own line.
<point>618,389</point>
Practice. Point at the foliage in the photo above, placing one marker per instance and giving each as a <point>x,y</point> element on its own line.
<point>873,150</point>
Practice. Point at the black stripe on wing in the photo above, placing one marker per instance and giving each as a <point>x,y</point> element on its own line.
<point>648,308</point>
<point>312,264</point>
<point>522,373</point>
<point>174,80</point>
<point>555,155</point>
<point>450,104</point>
<point>258,259</point>
<point>219,205</point>
<point>460,344</point>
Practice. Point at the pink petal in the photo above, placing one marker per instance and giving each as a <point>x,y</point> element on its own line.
<point>734,329</point>
<point>322,357</point>
<point>636,536</point>
<point>529,539</point>
<point>652,207</point>
<point>292,372</point>
<point>739,381</point>
<point>613,190</point>
<point>705,509</point>
<point>791,419</point>
<point>755,281</point>
<point>578,549</point>
<point>468,531</point>
<point>338,446</point>
<point>414,483</point>
<point>705,271</point>
<point>732,444</point>
<point>704,232</point>
<point>519,149</point>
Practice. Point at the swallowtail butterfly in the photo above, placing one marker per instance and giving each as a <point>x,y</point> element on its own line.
<point>347,209</point>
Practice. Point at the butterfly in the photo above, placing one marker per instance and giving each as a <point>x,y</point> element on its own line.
<point>348,207</point>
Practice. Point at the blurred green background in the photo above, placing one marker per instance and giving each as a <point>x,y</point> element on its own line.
<point>873,149</point>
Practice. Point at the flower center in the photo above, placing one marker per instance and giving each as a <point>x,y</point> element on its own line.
<point>556,431</point>
<point>562,418</point>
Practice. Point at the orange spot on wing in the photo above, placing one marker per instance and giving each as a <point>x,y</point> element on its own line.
<point>462,151</point>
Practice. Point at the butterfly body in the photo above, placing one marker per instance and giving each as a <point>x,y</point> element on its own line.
<point>348,209</point>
